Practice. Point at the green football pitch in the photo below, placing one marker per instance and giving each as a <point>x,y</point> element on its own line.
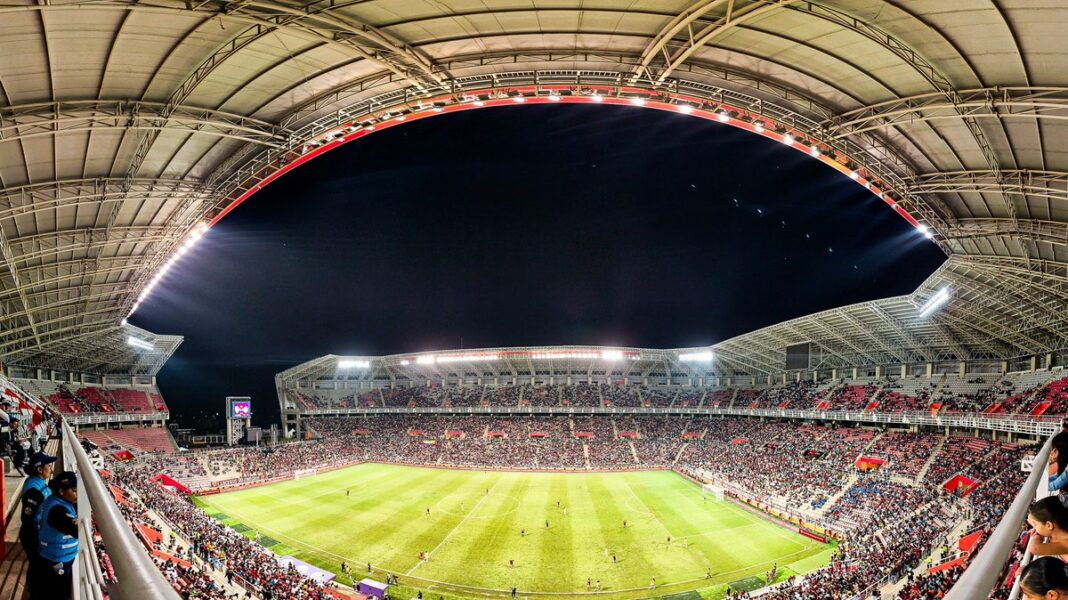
<point>377,514</point>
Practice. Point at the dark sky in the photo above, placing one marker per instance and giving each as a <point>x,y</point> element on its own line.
<point>521,226</point>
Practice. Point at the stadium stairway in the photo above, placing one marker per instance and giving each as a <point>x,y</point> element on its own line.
<point>586,455</point>
<point>634,453</point>
<point>678,454</point>
<point>931,459</point>
<point>822,510</point>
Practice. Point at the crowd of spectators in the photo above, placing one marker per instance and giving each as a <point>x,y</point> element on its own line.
<point>891,516</point>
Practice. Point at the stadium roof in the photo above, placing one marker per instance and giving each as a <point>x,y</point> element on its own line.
<point>125,126</point>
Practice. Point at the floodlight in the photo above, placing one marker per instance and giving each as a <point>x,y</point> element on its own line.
<point>139,343</point>
<point>554,97</point>
<point>814,151</point>
<point>854,175</point>
<point>703,356</point>
<point>685,108</point>
<point>934,302</point>
<point>353,364</point>
<point>597,98</point>
<point>637,101</point>
<point>723,117</point>
<point>519,99</point>
<point>612,354</point>
<point>759,127</point>
<point>788,139</point>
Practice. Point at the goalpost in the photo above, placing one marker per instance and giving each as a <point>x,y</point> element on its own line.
<point>304,473</point>
<point>713,490</point>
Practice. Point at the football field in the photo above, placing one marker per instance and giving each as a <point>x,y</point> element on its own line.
<point>378,514</point>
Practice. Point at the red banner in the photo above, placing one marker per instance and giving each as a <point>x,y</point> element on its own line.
<point>819,538</point>
<point>416,432</point>
<point>628,434</point>
<point>738,441</point>
<point>453,434</point>
<point>539,434</point>
<point>169,482</point>
<point>123,455</point>
<point>495,434</point>
<point>584,434</point>
<point>960,484</point>
<point>691,435</point>
<point>869,463</point>
<point>361,432</point>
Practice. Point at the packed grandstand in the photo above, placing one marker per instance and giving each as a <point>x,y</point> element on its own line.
<point>894,495</point>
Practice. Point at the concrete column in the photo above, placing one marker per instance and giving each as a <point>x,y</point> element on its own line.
<point>930,370</point>
<point>1049,360</point>
<point>854,372</point>
<point>963,369</point>
<point>1034,363</point>
<point>834,373</point>
<point>784,378</point>
<point>904,371</point>
<point>878,371</point>
<point>1004,367</point>
<point>798,377</point>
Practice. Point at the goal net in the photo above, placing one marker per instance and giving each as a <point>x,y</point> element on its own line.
<point>304,473</point>
<point>713,490</point>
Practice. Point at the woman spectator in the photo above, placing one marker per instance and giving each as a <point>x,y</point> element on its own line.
<point>1058,463</point>
<point>1049,518</point>
<point>1045,579</point>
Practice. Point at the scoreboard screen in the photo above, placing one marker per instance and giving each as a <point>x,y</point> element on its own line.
<point>241,409</point>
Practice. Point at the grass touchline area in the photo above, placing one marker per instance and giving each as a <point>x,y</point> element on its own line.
<point>543,533</point>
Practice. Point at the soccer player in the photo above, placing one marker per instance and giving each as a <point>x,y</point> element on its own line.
<point>669,540</point>
<point>589,584</point>
<point>624,523</point>
<point>546,523</point>
<point>708,573</point>
<point>368,568</point>
<point>511,563</point>
<point>614,559</point>
<point>428,511</point>
<point>523,533</point>
<point>652,584</point>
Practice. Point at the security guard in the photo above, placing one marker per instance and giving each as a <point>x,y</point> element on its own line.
<point>34,492</point>
<point>57,523</point>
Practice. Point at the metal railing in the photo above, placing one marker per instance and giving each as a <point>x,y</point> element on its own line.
<point>102,418</point>
<point>137,576</point>
<point>981,578</point>
<point>1021,424</point>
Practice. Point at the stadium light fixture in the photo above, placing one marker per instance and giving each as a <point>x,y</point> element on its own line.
<point>637,101</point>
<point>612,354</point>
<point>925,230</point>
<point>759,127</point>
<point>723,117</point>
<point>139,343</point>
<point>788,139</point>
<point>685,108</point>
<point>597,98</point>
<point>934,302</point>
<point>554,97</point>
<point>703,356</point>
<point>353,364</point>
<point>426,359</point>
<point>814,151</point>
<point>194,236</point>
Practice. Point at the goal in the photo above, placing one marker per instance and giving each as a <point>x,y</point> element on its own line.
<point>302,473</point>
<point>713,490</point>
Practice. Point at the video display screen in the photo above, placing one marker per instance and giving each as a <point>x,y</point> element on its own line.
<point>242,409</point>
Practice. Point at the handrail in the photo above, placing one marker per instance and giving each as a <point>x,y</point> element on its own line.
<point>1022,424</point>
<point>980,579</point>
<point>138,577</point>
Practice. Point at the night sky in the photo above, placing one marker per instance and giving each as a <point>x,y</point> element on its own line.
<point>512,226</point>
